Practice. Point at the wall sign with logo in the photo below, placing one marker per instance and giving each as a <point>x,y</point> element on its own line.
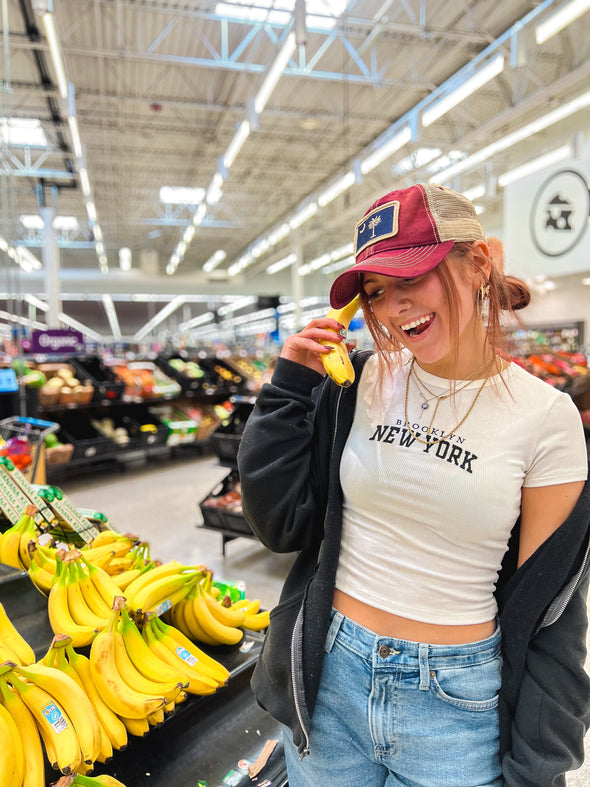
<point>546,221</point>
<point>55,340</point>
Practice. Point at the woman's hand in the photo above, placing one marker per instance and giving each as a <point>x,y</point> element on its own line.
<point>305,348</point>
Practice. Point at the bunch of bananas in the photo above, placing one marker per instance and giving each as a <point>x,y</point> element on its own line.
<point>13,542</point>
<point>80,598</point>
<point>161,587</point>
<point>201,616</point>
<point>140,683</point>
<point>52,714</point>
<point>13,646</point>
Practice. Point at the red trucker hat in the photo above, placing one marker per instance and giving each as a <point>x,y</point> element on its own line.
<point>406,233</point>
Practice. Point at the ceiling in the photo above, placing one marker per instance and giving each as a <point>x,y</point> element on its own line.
<point>159,89</point>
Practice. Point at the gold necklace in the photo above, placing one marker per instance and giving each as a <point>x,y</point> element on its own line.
<point>440,398</point>
<point>421,384</point>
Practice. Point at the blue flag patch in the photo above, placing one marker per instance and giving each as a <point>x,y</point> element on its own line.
<point>377,225</point>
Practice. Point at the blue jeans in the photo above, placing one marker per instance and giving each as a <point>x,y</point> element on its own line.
<point>392,712</point>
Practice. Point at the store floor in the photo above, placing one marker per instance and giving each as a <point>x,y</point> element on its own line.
<point>159,501</point>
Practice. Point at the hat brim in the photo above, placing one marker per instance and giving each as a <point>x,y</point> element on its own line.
<point>399,263</point>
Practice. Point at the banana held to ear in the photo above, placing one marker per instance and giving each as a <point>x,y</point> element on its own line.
<point>337,362</point>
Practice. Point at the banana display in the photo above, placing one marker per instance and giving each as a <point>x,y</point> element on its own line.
<point>138,622</point>
<point>337,362</point>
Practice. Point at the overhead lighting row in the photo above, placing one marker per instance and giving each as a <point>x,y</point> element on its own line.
<point>66,91</point>
<point>449,95</point>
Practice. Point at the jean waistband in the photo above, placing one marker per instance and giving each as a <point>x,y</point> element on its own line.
<point>379,648</point>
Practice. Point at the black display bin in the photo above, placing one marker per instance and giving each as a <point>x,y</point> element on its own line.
<point>229,524</point>
<point>133,418</point>
<point>107,385</point>
<point>189,385</point>
<point>88,443</point>
<point>226,437</point>
<point>205,738</point>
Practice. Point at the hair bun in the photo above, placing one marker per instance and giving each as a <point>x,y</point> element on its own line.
<point>514,294</point>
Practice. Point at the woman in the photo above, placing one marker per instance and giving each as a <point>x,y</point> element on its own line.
<point>432,629</point>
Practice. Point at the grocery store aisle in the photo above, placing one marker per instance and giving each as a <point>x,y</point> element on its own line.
<point>159,502</point>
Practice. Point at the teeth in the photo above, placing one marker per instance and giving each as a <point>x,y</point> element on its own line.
<point>415,323</point>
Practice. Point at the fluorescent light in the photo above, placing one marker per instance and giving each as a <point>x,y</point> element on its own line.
<point>26,132</point>
<point>165,312</point>
<point>274,73</point>
<point>237,304</point>
<point>60,73</point>
<point>303,215</point>
<point>214,192</point>
<point>125,259</point>
<point>200,214</point>
<point>477,192</point>
<point>417,159</point>
<point>469,86</point>
<point>84,181</point>
<point>386,149</point>
<point>27,260</point>
<point>75,134</point>
<point>200,320</point>
<point>559,19</point>
<point>214,260</point>
<point>536,164</point>
<point>109,308</point>
<point>97,232</point>
<point>235,145</point>
<point>334,190</point>
<point>279,265</point>
<point>347,262</point>
<point>179,195</point>
<point>37,303</point>
<point>278,234</point>
<point>189,233</point>
<point>581,102</point>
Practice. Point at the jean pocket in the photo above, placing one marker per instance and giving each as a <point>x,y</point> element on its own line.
<point>474,687</point>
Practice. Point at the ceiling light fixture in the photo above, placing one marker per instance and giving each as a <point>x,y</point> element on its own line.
<point>202,319</point>
<point>274,73</point>
<point>385,149</point>
<point>165,312</point>
<point>559,19</point>
<point>336,188</point>
<point>111,313</point>
<point>214,260</point>
<point>235,145</point>
<point>303,215</point>
<point>465,89</point>
<point>281,264</point>
<point>55,50</point>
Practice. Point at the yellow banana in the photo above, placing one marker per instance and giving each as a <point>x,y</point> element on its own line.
<point>136,727</point>
<point>80,610</point>
<point>337,362</point>
<point>156,718</point>
<point>174,639</point>
<point>198,683</point>
<point>74,700</point>
<point>186,620</point>
<point>110,536</point>
<point>102,582</point>
<point>225,615</point>
<point>222,634</point>
<point>12,757</point>
<point>13,640</point>
<point>119,564</point>
<point>258,621</point>
<point>98,555</point>
<point>56,728</point>
<point>11,553</point>
<point>121,698</point>
<point>60,616</point>
<point>110,722</point>
<point>142,657</point>
<point>150,575</point>
<point>250,607</point>
<point>40,577</point>
<point>91,595</point>
<point>123,579</point>
<point>166,590</point>
<point>34,758</point>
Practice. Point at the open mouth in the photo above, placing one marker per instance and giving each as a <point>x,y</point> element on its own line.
<point>416,327</point>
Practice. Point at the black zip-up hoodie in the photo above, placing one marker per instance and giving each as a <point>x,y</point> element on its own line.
<point>289,464</point>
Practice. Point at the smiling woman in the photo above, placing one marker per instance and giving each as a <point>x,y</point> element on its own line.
<point>436,505</point>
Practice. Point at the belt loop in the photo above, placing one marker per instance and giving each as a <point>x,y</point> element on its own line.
<point>333,630</point>
<point>424,669</point>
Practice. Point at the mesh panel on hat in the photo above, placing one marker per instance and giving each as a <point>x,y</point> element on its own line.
<point>454,214</point>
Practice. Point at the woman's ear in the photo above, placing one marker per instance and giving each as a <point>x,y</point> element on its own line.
<point>480,255</point>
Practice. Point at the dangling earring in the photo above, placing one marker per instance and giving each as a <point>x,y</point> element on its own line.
<point>483,293</point>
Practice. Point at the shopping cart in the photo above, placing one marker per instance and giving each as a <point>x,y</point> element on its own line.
<point>24,444</point>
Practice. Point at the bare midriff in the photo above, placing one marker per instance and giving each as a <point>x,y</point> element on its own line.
<point>387,624</point>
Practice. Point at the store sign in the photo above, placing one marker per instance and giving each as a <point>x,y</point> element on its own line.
<point>546,221</point>
<point>55,340</point>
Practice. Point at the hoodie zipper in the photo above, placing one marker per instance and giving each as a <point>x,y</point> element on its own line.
<point>561,601</point>
<point>297,636</point>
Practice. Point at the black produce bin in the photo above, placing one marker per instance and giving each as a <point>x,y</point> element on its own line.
<point>218,517</point>
<point>122,417</point>
<point>88,443</point>
<point>107,384</point>
<point>148,428</point>
<point>226,437</point>
<point>189,385</point>
<point>223,378</point>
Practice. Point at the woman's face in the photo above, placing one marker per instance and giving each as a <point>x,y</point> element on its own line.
<point>417,313</point>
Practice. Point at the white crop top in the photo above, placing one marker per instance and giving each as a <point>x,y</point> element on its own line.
<point>425,527</point>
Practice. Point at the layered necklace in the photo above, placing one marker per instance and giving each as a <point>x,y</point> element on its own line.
<point>421,386</point>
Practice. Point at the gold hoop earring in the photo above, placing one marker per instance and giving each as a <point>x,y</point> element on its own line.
<point>483,293</point>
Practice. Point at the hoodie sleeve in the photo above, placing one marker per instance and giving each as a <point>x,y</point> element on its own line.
<point>280,487</point>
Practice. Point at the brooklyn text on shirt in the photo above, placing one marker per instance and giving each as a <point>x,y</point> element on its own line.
<point>438,447</point>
